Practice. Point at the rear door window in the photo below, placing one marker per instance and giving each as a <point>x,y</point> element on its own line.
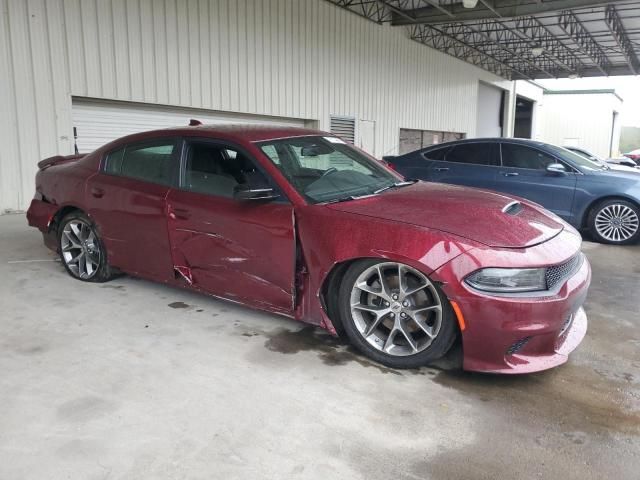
<point>474,153</point>
<point>151,162</point>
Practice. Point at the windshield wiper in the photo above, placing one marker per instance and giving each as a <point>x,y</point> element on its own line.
<point>349,197</point>
<point>346,198</point>
<point>395,185</point>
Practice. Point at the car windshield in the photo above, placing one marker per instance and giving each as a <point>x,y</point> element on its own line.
<point>576,159</point>
<point>326,169</point>
<point>587,155</point>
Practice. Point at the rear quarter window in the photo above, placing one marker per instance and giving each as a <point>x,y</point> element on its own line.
<point>484,153</point>
<point>114,162</point>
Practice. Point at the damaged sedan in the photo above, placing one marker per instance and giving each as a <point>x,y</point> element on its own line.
<point>301,224</point>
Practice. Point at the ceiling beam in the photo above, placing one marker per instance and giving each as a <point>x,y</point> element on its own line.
<point>587,72</point>
<point>518,49</point>
<point>490,9</point>
<point>531,29</point>
<point>490,4</point>
<point>374,10</point>
<point>459,41</point>
<point>612,19</point>
<point>570,25</point>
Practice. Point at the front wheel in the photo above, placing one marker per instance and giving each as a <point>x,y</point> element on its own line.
<point>81,250</point>
<point>395,314</point>
<point>615,221</point>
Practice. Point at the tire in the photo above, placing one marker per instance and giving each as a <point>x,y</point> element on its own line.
<point>425,315</point>
<point>81,251</point>
<point>615,221</point>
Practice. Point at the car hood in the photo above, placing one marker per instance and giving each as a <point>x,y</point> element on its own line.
<point>621,178</point>
<point>474,214</point>
<point>623,168</point>
<point>628,173</point>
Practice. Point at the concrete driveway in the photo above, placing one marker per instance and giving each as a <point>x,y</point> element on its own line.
<point>133,380</point>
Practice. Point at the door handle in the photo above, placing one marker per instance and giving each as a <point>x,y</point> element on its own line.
<point>510,174</point>
<point>97,192</point>
<point>442,169</point>
<point>179,213</point>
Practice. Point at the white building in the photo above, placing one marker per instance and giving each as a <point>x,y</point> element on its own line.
<point>113,67</point>
<point>581,118</point>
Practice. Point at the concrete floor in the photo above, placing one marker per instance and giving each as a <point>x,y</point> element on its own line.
<point>132,380</point>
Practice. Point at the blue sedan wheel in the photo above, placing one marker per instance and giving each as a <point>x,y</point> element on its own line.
<point>615,221</point>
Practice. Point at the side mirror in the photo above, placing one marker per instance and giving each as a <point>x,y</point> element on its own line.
<point>245,192</point>
<point>556,168</point>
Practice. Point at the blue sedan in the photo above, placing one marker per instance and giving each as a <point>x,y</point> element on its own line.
<point>588,194</point>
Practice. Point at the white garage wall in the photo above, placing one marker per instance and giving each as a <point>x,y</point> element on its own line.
<point>292,58</point>
<point>580,119</point>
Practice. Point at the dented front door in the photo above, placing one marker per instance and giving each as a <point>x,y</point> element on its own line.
<point>240,250</point>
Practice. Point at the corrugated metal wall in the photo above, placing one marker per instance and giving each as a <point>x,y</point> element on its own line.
<point>294,58</point>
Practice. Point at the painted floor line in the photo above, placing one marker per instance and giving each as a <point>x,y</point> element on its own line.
<point>32,261</point>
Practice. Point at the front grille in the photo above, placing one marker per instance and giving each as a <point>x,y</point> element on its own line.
<point>518,345</point>
<point>559,273</point>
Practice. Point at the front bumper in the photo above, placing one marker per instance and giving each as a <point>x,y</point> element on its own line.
<point>518,334</point>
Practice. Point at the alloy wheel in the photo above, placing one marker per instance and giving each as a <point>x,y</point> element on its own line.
<point>617,222</point>
<point>396,309</point>
<point>80,249</point>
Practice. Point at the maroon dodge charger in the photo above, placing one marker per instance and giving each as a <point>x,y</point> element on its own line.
<point>298,223</point>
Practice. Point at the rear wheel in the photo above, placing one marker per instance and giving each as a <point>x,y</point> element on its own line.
<point>395,314</point>
<point>615,221</point>
<point>81,250</point>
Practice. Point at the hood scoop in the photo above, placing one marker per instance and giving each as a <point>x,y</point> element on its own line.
<point>512,208</point>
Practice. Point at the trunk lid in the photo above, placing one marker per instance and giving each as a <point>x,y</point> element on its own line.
<point>59,159</point>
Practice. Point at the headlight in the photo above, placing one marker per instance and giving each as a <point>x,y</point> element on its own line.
<point>508,280</point>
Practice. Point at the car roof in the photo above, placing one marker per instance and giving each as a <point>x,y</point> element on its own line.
<point>521,141</point>
<point>246,132</point>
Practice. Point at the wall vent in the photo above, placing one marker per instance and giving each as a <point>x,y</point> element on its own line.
<point>344,127</point>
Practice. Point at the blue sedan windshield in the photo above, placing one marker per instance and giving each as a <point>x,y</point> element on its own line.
<point>576,159</point>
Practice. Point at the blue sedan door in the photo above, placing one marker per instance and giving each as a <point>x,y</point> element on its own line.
<point>524,173</point>
<point>472,164</point>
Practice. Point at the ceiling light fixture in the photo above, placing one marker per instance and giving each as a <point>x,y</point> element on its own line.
<point>537,51</point>
<point>469,3</point>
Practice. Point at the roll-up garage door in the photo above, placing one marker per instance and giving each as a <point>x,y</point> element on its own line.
<point>98,122</point>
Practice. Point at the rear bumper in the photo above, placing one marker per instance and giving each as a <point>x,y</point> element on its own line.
<point>40,215</point>
<point>507,334</point>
